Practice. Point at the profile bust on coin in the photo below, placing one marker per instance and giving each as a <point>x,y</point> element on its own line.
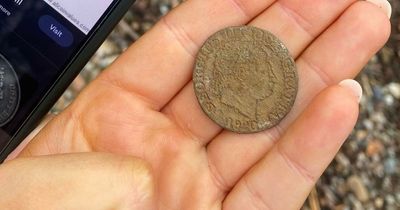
<point>245,79</point>
<point>239,85</point>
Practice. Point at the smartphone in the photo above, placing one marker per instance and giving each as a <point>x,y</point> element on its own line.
<point>43,46</point>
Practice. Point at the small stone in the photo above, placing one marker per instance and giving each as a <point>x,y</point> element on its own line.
<point>175,3</point>
<point>378,171</point>
<point>329,195</point>
<point>391,207</point>
<point>387,54</point>
<point>89,66</point>
<point>59,106</point>
<point>141,5</point>
<point>135,26</point>
<point>362,160</point>
<point>361,135</point>
<point>390,165</point>
<point>146,26</point>
<point>379,202</point>
<point>378,93</point>
<point>342,160</point>
<point>389,100</point>
<point>341,188</point>
<point>387,183</point>
<point>374,147</point>
<point>107,48</point>
<point>78,84</point>
<point>398,197</point>
<point>394,89</point>
<point>356,204</point>
<point>390,200</point>
<point>69,95</point>
<point>378,118</point>
<point>369,125</point>
<point>105,62</point>
<point>358,188</point>
<point>341,207</point>
<point>164,9</point>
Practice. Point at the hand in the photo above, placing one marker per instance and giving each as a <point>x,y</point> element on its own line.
<point>144,106</point>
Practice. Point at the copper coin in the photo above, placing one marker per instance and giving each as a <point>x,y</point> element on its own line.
<point>245,79</point>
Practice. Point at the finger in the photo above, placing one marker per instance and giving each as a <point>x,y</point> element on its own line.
<point>78,181</point>
<point>29,138</point>
<point>331,55</point>
<point>158,65</point>
<point>299,158</point>
<point>354,38</point>
<point>298,22</point>
<point>295,22</point>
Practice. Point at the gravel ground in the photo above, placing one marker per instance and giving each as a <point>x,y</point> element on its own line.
<point>366,172</point>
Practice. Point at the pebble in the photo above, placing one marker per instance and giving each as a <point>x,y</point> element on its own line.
<point>342,160</point>
<point>378,170</point>
<point>341,207</point>
<point>387,184</point>
<point>379,202</point>
<point>106,49</point>
<point>389,100</point>
<point>378,93</point>
<point>378,118</point>
<point>329,195</point>
<point>355,203</point>
<point>107,61</point>
<point>369,125</point>
<point>358,188</point>
<point>390,200</point>
<point>394,89</point>
<point>164,9</point>
<point>390,165</point>
<point>361,135</point>
<point>374,147</point>
<point>78,84</point>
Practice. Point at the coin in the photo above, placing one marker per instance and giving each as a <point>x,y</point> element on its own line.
<point>9,91</point>
<point>245,79</point>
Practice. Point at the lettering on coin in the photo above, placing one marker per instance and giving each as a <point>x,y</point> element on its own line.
<point>245,79</point>
<point>9,91</point>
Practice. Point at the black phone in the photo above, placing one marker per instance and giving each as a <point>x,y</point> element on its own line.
<point>43,46</point>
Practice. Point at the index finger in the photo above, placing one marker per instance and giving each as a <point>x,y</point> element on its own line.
<point>159,64</point>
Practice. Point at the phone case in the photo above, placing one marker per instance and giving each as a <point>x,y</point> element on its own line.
<point>99,34</point>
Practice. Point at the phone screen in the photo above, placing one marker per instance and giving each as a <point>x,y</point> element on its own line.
<point>38,39</point>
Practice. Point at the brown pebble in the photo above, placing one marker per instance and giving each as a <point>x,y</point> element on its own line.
<point>358,188</point>
<point>374,147</point>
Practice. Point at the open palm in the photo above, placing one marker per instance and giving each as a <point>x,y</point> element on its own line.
<point>144,105</point>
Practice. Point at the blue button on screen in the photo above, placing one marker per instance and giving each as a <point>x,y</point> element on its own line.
<point>56,31</point>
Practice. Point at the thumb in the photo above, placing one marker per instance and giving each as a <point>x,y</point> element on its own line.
<point>76,181</point>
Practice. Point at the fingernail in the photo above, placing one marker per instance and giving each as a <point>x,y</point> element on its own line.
<point>384,5</point>
<point>354,87</point>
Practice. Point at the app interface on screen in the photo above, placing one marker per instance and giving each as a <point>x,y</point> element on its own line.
<point>37,40</point>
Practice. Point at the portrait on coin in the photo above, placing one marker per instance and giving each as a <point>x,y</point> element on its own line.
<point>243,80</point>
